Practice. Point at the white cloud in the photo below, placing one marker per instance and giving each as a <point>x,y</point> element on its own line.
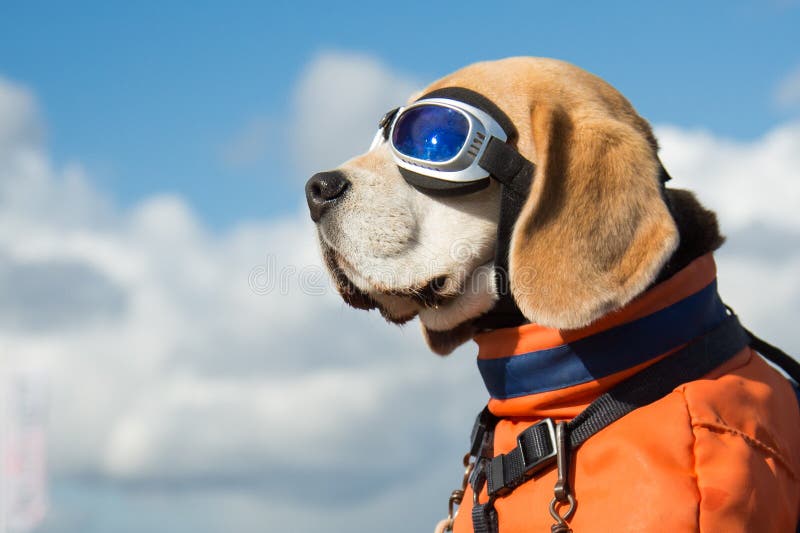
<point>787,92</point>
<point>744,182</point>
<point>753,188</point>
<point>167,369</point>
<point>338,102</point>
<point>20,129</point>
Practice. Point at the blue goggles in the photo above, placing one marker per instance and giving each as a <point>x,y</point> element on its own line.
<point>439,142</point>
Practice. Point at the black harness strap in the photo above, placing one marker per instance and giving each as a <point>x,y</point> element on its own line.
<point>777,356</point>
<point>484,518</point>
<point>693,362</point>
<point>536,446</point>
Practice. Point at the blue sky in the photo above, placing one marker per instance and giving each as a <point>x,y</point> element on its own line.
<point>145,94</point>
<point>178,137</point>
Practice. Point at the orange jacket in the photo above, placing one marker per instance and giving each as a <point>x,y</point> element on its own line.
<point>720,454</point>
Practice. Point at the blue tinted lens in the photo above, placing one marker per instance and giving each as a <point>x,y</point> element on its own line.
<point>431,133</point>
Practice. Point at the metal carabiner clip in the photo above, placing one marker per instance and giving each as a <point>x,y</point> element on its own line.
<point>561,493</point>
<point>455,498</point>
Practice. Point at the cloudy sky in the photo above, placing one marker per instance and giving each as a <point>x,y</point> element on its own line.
<point>158,266</point>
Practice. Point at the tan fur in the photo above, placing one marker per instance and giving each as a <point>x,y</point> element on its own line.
<point>593,233</point>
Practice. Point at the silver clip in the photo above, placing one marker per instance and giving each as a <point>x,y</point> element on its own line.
<point>561,492</point>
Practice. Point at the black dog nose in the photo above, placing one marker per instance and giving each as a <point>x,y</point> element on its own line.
<point>322,191</point>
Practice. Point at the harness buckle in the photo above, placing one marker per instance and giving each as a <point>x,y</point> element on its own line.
<point>533,465</point>
<point>481,429</point>
<point>536,450</point>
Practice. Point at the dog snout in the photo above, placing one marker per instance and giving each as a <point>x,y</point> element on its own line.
<point>323,190</point>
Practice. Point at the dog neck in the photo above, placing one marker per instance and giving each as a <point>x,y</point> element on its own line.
<point>531,368</point>
<point>493,304</point>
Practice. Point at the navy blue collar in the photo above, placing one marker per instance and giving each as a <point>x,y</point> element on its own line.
<point>604,353</point>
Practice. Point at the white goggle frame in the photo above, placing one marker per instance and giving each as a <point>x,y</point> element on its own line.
<point>463,167</point>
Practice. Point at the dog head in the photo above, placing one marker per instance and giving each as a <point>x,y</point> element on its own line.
<point>593,232</point>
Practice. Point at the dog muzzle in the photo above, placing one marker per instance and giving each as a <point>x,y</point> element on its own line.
<point>452,141</point>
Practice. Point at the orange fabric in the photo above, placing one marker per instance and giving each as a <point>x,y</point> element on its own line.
<point>720,454</point>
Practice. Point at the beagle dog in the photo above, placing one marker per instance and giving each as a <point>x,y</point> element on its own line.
<point>592,242</point>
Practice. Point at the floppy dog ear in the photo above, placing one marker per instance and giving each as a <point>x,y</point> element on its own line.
<point>594,231</point>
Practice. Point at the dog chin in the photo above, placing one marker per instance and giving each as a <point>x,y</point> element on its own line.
<point>447,308</point>
<point>449,326</point>
<point>444,342</point>
<point>477,296</point>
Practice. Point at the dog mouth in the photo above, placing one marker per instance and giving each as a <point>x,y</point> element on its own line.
<point>430,294</point>
<point>433,293</point>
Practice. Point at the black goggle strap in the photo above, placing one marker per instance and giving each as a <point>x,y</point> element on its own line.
<point>386,122</point>
<point>515,173</point>
<point>509,167</point>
